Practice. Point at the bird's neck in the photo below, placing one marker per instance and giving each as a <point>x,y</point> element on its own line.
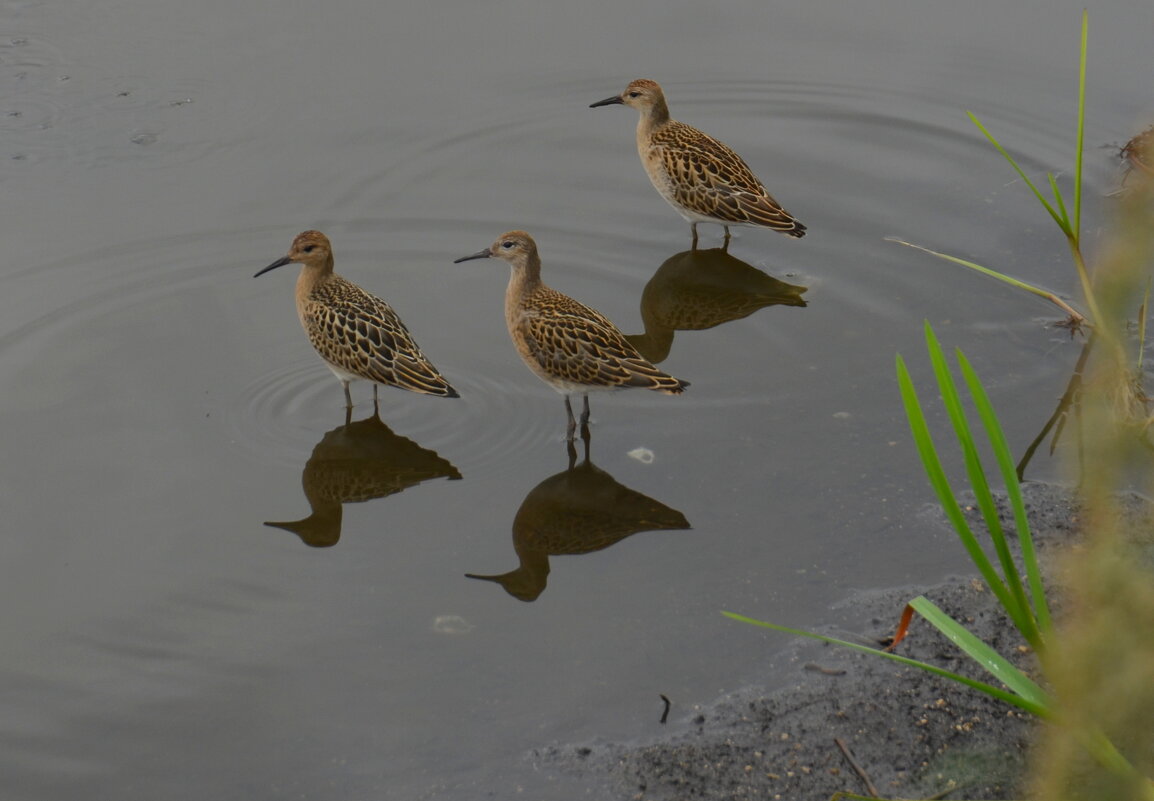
<point>654,118</point>
<point>313,275</point>
<point>523,281</point>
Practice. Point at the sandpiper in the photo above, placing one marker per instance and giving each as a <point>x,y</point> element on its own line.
<point>358,335</point>
<point>696,174</point>
<point>568,345</point>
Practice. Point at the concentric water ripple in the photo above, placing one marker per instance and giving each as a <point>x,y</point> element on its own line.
<point>163,154</point>
<point>276,412</point>
<point>27,113</point>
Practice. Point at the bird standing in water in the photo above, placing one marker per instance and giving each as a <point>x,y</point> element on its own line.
<point>568,345</point>
<point>703,179</point>
<point>357,334</point>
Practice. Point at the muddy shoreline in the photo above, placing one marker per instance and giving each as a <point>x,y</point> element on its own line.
<point>913,734</point>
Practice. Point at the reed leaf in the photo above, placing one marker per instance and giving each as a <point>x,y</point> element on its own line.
<point>994,663</point>
<point>1042,293</point>
<point>1018,607</point>
<point>1001,694</point>
<point>1005,459</point>
<point>1142,326</point>
<point>1081,127</point>
<point>1061,219</point>
<point>941,484</point>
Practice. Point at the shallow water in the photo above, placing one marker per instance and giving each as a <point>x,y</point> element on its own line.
<point>160,405</point>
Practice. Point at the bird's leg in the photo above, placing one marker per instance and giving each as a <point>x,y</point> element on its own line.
<point>572,423</point>
<point>374,396</point>
<point>693,227</point>
<point>585,412</point>
<point>348,395</point>
<point>725,246</point>
<point>586,439</point>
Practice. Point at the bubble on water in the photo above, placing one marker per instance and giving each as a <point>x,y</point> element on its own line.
<point>451,624</point>
<point>643,455</point>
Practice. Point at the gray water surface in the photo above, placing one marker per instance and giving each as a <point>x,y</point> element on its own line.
<point>160,405</point>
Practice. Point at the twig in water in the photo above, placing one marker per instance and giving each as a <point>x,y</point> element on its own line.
<point>869,785</point>
<point>813,667</point>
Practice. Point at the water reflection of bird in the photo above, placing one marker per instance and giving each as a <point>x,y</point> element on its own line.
<point>699,176</point>
<point>566,344</point>
<point>357,462</point>
<point>698,289</point>
<point>579,510</point>
<point>357,334</point>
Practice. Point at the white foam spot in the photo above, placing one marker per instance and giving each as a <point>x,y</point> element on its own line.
<point>451,624</point>
<point>643,455</point>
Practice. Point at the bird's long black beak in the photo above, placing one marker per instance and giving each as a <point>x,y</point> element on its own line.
<point>281,262</point>
<point>609,101</point>
<point>480,254</point>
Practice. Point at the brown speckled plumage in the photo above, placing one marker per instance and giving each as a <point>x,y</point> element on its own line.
<point>358,335</point>
<point>569,346</point>
<point>575,348</point>
<point>702,178</point>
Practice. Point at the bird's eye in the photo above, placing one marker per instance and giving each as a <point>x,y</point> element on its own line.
<point>507,245</point>
<point>635,94</point>
<point>310,248</point>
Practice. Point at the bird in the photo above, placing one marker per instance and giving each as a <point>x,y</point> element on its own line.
<point>357,334</point>
<point>702,178</point>
<point>571,347</point>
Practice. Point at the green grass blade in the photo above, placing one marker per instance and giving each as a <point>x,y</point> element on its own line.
<point>1041,710</point>
<point>1042,293</point>
<point>1062,221</point>
<point>1058,200</point>
<point>941,485</point>
<point>1099,746</point>
<point>974,266</point>
<point>1142,326</point>
<point>994,663</point>
<point>1005,459</point>
<point>1077,228</point>
<point>1015,602</point>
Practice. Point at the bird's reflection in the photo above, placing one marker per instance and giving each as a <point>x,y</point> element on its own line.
<point>357,462</point>
<point>699,289</point>
<point>579,510</point>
